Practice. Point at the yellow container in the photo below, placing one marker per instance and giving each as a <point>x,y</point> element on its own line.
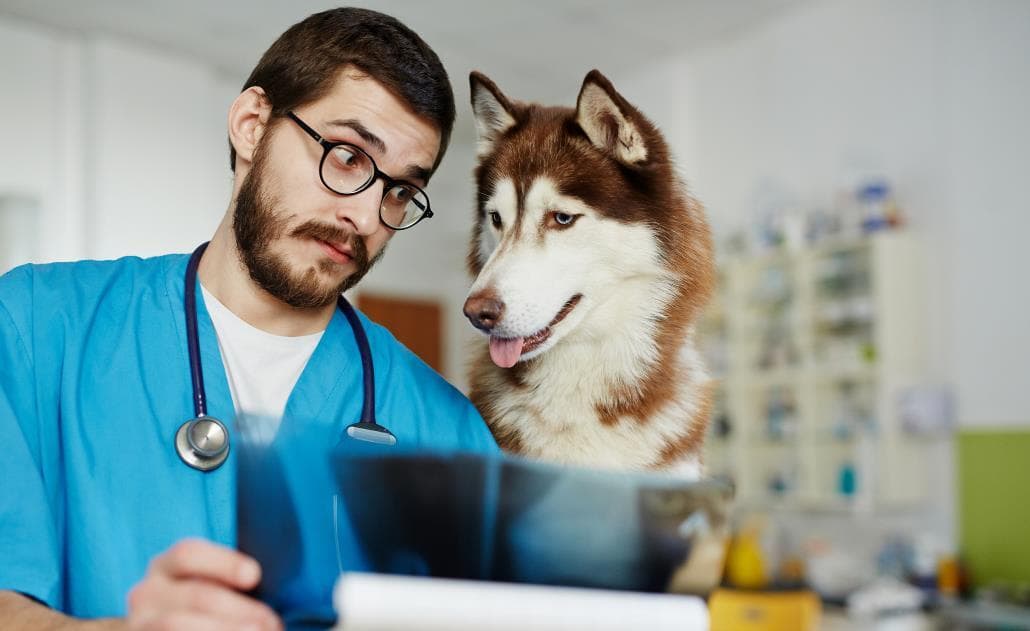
<point>733,610</point>
<point>745,565</point>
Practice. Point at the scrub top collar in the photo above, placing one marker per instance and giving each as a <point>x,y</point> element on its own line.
<point>333,365</point>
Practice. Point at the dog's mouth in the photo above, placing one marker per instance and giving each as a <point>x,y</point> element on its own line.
<point>506,351</point>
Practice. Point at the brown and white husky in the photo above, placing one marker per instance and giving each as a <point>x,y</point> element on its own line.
<point>592,264</point>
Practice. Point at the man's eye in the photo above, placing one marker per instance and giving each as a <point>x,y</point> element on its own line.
<point>346,157</point>
<point>495,219</point>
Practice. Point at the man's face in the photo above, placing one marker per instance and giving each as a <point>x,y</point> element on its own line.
<point>301,242</point>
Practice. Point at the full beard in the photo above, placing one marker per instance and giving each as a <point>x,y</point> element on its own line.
<point>257,227</point>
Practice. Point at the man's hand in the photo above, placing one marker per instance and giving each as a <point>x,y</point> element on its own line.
<point>195,585</point>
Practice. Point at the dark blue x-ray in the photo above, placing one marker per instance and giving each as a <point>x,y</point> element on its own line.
<point>308,512</point>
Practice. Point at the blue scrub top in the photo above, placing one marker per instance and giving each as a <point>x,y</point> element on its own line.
<point>94,383</point>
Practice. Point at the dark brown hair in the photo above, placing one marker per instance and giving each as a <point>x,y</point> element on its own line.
<point>302,65</point>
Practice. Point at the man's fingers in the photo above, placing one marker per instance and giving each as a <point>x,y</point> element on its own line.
<point>219,602</point>
<point>180,621</point>
<point>196,558</point>
<point>162,595</point>
<point>195,585</point>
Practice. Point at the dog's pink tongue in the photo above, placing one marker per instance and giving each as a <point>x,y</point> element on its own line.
<point>505,352</point>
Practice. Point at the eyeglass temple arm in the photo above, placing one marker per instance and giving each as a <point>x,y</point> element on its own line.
<point>304,126</point>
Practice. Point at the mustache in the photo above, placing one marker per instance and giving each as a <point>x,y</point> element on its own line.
<point>334,234</point>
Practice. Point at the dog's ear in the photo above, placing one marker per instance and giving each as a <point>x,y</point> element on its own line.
<point>610,122</point>
<point>495,114</point>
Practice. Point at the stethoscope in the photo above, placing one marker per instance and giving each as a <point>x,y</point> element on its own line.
<point>203,441</point>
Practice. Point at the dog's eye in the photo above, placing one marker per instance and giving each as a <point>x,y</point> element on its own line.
<point>495,219</point>
<point>563,220</point>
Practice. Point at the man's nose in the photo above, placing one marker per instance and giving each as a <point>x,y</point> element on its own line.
<point>361,210</point>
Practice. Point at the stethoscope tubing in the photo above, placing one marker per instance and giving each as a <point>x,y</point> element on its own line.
<point>192,338</point>
<point>204,460</point>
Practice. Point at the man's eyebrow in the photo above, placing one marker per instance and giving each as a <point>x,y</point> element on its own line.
<point>417,173</point>
<point>362,131</point>
<point>413,172</point>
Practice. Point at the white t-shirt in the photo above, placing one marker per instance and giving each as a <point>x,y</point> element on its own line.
<point>261,367</point>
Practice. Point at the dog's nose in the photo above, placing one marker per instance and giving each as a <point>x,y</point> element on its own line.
<point>483,311</point>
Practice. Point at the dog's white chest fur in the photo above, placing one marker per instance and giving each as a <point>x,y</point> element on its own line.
<point>555,414</point>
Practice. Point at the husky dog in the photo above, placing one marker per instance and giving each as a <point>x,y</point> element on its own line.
<point>592,266</point>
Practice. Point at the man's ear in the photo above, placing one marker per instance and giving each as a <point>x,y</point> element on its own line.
<point>248,121</point>
<point>610,122</point>
<point>494,113</point>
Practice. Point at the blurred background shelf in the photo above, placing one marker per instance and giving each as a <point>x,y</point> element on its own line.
<point>812,347</point>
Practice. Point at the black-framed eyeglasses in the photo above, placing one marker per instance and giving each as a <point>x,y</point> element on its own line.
<point>346,169</point>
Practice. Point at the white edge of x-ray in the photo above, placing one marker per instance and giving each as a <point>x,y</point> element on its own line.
<point>376,602</point>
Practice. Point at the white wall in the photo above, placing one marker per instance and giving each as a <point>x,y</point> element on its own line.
<point>124,146</point>
<point>39,132</point>
<point>985,111</point>
<point>934,94</point>
<point>157,155</point>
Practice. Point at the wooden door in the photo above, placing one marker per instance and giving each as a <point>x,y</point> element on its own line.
<point>418,324</point>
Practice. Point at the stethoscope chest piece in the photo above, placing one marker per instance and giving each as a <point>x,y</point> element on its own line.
<point>202,443</point>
